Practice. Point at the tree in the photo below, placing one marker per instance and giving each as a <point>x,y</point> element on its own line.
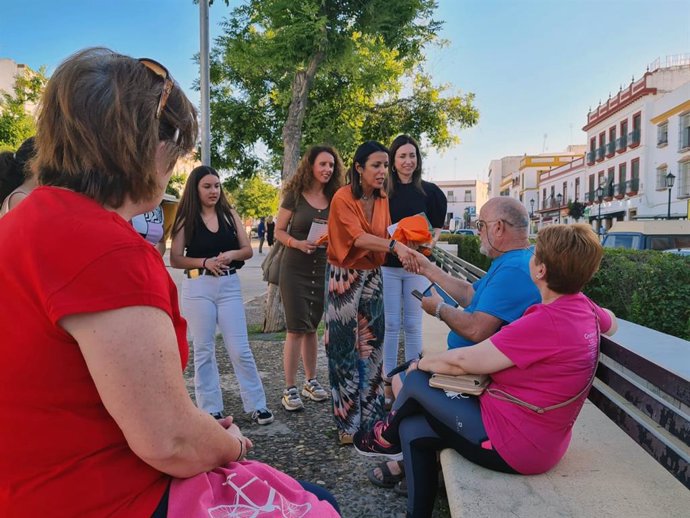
<point>16,122</point>
<point>255,198</point>
<point>576,209</point>
<point>287,74</point>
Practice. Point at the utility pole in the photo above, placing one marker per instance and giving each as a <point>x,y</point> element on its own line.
<point>205,84</point>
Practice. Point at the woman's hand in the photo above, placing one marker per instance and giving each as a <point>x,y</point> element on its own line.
<point>430,303</point>
<point>215,266</point>
<point>408,257</point>
<point>304,246</point>
<point>234,430</point>
<point>226,257</point>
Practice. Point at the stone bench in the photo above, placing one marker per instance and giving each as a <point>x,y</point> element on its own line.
<point>605,472</point>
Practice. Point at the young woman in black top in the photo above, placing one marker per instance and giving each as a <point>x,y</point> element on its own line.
<point>209,243</point>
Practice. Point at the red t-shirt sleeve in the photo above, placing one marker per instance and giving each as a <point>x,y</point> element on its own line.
<point>128,276</point>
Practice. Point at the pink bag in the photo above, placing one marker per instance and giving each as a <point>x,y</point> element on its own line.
<point>244,489</point>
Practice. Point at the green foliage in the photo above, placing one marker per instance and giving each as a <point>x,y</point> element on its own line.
<point>369,81</point>
<point>176,184</point>
<point>16,123</point>
<point>647,287</point>
<point>468,249</point>
<point>255,197</point>
<point>576,209</point>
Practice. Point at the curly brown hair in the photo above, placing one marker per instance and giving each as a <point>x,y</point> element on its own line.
<point>303,178</point>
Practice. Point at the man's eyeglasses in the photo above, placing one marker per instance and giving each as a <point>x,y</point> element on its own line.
<point>481,223</point>
<point>162,72</point>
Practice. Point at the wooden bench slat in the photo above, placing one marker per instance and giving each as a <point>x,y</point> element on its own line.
<point>670,454</point>
<point>670,383</point>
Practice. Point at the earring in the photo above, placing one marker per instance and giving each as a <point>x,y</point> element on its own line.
<point>360,180</point>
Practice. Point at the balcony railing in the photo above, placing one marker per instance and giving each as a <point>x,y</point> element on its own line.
<point>619,189</point>
<point>591,158</point>
<point>634,138</point>
<point>632,186</point>
<point>610,148</point>
<point>621,143</point>
<point>600,153</point>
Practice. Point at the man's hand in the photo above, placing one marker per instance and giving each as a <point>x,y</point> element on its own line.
<point>430,303</point>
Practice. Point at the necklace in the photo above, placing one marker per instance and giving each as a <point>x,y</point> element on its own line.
<point>367,198</point>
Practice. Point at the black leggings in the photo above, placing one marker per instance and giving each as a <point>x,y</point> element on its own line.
<point>424,421</point>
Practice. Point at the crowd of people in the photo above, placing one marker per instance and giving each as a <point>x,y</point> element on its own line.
<point>113,431</point>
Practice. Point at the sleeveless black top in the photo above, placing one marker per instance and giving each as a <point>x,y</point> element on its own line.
<point>205,243</point>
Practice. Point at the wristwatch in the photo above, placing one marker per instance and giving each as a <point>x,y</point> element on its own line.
<point>391,246</point>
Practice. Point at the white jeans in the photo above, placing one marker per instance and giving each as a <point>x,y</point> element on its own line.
<point>207,301</point>
<point>397,298</point>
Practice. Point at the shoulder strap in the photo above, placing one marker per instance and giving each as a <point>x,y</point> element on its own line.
<point>505,396</point>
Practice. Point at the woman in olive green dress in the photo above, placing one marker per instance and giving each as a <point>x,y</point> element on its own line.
<point>306,198</point>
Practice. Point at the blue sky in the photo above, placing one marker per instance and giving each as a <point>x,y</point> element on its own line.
<point>536,66</point>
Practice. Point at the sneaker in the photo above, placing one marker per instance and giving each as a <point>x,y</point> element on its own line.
<point>217,415</point>
<point>370,444</point>
<point>263,416</point>
<point>314,391</point>
<point>291,400</point>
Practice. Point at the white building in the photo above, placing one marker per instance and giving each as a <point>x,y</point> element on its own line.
<point>465,198</point>
<point>623,156</point>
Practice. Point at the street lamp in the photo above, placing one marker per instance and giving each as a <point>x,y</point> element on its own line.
<point>531,208</point>
<point>559,199</point>
<point>669,184</point>
<point>600,195</point>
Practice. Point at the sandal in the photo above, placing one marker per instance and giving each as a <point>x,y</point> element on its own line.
<point>388,395</point>
<point>401,488</point>
<point>389,480</point>
<point>344,439</point>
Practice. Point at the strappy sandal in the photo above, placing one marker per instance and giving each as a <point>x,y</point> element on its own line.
<point>401,487</point>
<point>388,395</point>
<point>344,439</point>
<point>389,480</point>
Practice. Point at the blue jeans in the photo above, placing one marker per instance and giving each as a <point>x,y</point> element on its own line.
<point>398,299</point>
<point>208,301</point>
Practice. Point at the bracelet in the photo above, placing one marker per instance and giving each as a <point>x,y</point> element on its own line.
<point>437,313</point>
<point>239,457</point>
<point>203,263</point>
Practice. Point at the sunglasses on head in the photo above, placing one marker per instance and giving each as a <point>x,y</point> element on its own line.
<point>162,72</point>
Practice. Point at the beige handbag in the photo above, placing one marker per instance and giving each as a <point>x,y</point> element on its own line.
<point>472,384</point>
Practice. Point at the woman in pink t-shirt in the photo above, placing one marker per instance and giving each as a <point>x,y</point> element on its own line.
<point>545,358</point>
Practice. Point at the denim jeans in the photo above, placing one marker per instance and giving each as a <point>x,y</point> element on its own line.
<point>208,301</point>
<point>397,298</point>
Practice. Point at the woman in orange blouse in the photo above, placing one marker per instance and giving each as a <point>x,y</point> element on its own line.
<point>357,247</point>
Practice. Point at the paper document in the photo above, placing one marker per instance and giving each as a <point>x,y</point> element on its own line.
<point>319,227</point>
<point>391,229</point>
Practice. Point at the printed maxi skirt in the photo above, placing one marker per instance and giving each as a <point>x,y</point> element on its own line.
<point>354,318</point>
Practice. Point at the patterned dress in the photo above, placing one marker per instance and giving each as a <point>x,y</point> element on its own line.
<point>354,313</point>
<point>354,317</point>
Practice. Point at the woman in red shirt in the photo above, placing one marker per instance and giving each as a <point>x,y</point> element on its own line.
<point>95,418</point>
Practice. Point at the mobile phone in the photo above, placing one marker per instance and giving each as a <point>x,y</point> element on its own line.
<point>417,294</point>
<point>446,298</point>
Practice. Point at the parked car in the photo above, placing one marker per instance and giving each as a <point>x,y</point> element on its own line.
<point>466,231</point>
<point>649,235</point>
<point>685,252</point>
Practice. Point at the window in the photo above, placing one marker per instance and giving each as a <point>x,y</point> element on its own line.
<point>662,134</point>
<point>577,189</point>
<point>611,146</point>
<point>450,197</point>
<point>635,169</point>
<point>634,138</point>
<point>661,172</point>
<point>684,179</point>
<point>622,172</point>
<point>468,195</point>
<point>565,192</point>
<point>684,136</point>
<point>608,188</point>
